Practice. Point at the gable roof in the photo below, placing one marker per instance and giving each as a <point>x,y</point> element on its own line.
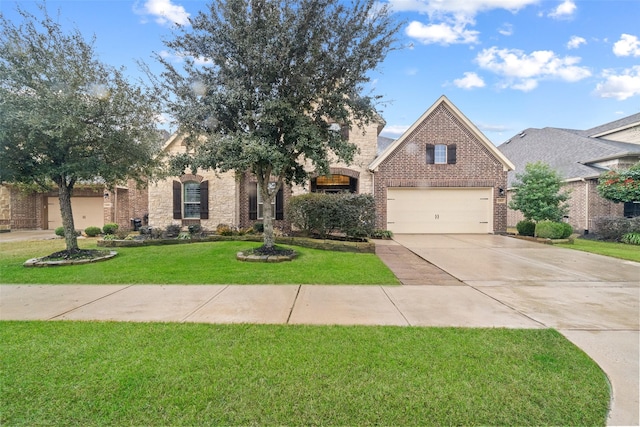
<point>443,100</point>
<point>611,127</point>
<point>572,153</point>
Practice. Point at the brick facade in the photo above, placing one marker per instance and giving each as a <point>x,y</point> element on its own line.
<point>476,165</point>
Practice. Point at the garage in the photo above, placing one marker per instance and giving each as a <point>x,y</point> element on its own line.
<point>87,212</point>
<point>439,210</point>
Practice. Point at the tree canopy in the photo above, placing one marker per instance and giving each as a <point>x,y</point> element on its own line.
<point>621,186</point>
<point>537,193</point>
<point>66,117</point>
<point>265,86</point>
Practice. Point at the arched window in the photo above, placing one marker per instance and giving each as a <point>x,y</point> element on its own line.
<point>334,184</point>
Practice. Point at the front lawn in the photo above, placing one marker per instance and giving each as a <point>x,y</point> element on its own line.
<point>87,373</point>
<point>612,249</point>
<point>194,263</point>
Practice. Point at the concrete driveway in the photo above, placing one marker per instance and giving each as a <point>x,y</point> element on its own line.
<point>592,300</point>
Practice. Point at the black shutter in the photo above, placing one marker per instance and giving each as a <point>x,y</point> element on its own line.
<point>280,205</point>
<point>431,154</point>
<point>177,200</point>
<point>204,200</point>
<point>451,154</point>
<point>252,192</point>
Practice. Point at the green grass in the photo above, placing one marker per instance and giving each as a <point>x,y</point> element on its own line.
<point>196,263</point>
<point>612,249</point>
<point>85,373</point>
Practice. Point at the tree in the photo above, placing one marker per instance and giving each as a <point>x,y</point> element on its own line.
<point>65,117</point>
<point>621,186</point>
<point>537,194</point>
<point>280,78</point>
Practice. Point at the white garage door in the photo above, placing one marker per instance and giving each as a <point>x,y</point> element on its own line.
<point>87,212</point>
<point>439,210</point>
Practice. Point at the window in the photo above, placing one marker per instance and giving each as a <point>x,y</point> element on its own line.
<point>256,205</point>
<point>631,209</point>
<point>441,154</point>
<point>334,184</point>
<point>191,200</point>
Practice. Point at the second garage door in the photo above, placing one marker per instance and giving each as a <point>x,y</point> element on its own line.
<point>439,210</point>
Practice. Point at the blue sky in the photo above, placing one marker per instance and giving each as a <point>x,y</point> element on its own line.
<point>506,64</point>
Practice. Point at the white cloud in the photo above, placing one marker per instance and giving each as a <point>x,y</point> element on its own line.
<point>469,81</point>
<point>628,45</point>
<point>443,33</point>
<point>575,42</point>
<point>523,71</point>
<point>179,57</point>
<point>506,29</point>
<point>565,10</point>
<point>394,130</point>
<point>620,86</point>
<point>467,8</point>
<point>165,12</point>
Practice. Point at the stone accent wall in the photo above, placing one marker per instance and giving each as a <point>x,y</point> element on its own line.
<point>5,207</point>
<point>475,165</point>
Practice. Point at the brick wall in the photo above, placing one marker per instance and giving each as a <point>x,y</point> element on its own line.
<point>475,165</point>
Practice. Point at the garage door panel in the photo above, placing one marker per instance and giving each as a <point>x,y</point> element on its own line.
<point>87,212</point>
<point>429,210</point>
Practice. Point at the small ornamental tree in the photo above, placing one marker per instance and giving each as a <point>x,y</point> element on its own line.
<point>67,118</point>
<point>621,186</point>
<point>265,86</point>
<point>537,193</point>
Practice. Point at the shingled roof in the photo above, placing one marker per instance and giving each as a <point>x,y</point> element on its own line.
<point>573,153</point>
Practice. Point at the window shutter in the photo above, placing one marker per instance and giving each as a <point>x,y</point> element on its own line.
<point>177,200</point>
<point>204,200</point>
<point>451,154</point>
<point>252,192</point>
<point>431,156</point>
<point>279,205</point>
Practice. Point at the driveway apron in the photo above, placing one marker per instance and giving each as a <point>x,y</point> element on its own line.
<point>592,300</point>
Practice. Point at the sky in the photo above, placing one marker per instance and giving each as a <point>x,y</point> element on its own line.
<point>507,65</point>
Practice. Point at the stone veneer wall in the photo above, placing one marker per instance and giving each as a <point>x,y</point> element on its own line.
<point>5,207</point>
<point>475,165</point>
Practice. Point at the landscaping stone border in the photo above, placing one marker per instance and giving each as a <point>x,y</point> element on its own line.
<point>240,256</point>
<point>38,262</point>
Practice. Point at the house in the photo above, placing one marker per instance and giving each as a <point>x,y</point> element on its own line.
<point>92,205</point>
<point>441,176</point>
<point>580,156</point>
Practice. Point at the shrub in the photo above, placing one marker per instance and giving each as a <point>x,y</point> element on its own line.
<point>145,230</point>
<point>526,227</point>
<point>59,231</point>
<point>122,233</point>
<point>325,214</point>
<point>614,227</point>
<point>224,230</point>
<point>195,229</point>
<point>631,238</point>
<point>258,227</point>
<point>381,234</point>
<point>553,230</point>
<point>92,231</point>
<point>171,231</point>
<point>110,228</point>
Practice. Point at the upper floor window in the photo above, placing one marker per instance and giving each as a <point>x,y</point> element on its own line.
<point>441,154</point>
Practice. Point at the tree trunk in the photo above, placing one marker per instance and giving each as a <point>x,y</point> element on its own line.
<point>64,195</point>
<point>268,196</point>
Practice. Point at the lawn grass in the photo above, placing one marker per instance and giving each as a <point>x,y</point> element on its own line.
<point>195,263</point>
<point>88,373</point>
<point>612,249</point>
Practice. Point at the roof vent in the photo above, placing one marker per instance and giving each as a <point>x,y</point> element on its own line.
<point>522,134</point>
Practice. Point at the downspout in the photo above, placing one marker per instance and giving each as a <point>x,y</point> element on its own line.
<point>586,208</point>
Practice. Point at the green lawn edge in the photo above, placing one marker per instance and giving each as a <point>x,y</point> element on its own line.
<point>94,373</point>
<point>613,249</point>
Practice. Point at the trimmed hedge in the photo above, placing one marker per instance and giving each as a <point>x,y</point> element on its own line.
<point>526,228</point>
<point>350,214</point>
<point>110,228</point>
<point>92,231</point>
<point>553,230</point>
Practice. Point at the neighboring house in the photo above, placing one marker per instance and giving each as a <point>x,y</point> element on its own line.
<point>92,205</point>
<point>441,176</point>
<point>580,156</point>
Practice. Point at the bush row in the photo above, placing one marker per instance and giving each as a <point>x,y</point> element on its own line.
<point>544,229</point>
<point>316,213</point>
